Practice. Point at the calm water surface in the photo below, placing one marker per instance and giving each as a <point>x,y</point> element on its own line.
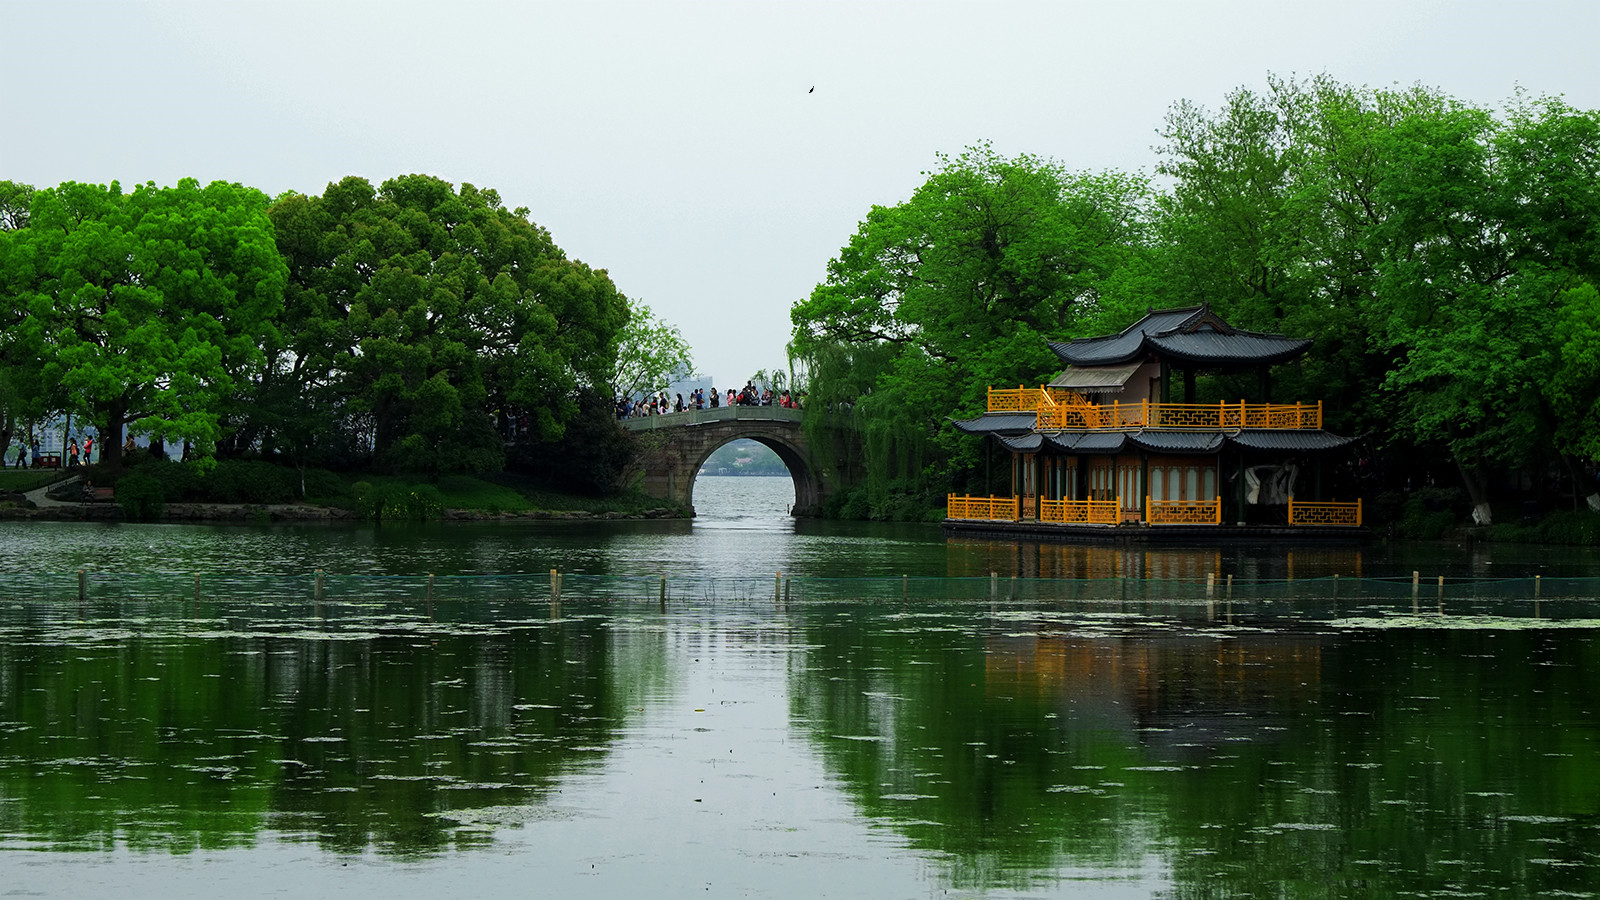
<point>746,748</point>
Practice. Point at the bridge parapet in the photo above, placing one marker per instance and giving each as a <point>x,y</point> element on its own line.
<point>691,417</point>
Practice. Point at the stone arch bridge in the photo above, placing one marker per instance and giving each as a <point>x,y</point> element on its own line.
<point>673,447</point>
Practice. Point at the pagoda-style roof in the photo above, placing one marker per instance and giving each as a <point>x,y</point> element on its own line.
<point>1193,335</point>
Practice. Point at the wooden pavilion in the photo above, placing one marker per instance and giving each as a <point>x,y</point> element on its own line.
<point>1118,441</point>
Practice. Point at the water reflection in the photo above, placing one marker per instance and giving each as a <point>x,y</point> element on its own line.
<point>1247,760</point>
<point>357,728</point>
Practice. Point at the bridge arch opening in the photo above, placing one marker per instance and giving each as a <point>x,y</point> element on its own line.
<point>756,454</point>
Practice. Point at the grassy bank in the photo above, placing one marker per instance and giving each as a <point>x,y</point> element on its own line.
<point>146,490</point>
<point>19,481</point>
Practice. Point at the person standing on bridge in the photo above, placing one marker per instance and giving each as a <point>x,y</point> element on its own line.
<point>714,396</point>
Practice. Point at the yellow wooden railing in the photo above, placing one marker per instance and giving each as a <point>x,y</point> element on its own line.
<point>1145,414</point>
<point>1183,512</point>
<point>1027,399</point>
<point>995,509</point>
<point>1346,514</point>
<point>1080,512</point>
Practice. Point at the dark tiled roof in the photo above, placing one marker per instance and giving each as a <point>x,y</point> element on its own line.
<point>1090,441</point>
<point>997,423</point>
<point>1095,379</point>
<point>1193,335</point>
<point>1179,441</point>
<point>1027,443</point>
<point>1293,441</point>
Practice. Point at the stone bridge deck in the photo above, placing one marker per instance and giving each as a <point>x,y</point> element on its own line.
<point>673,447</point>
<point>692,417</point>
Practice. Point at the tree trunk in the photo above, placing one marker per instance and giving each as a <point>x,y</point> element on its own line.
<point>1478,492</point>
<point>111,448</point>
<point>1576,473</point>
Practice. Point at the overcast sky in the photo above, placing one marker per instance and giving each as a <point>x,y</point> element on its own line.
<point>679,145</point>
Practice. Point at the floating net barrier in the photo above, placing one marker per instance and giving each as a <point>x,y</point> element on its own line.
<point>1421,593</point>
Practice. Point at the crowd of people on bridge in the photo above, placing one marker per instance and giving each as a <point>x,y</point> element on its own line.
<point>700,398</point>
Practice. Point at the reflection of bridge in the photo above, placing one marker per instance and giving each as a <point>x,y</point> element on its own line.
<point>673,447</point>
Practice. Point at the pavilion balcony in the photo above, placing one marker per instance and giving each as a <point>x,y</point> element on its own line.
<point>1059,410</point>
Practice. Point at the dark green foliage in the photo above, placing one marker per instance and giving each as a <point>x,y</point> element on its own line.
<point>1432,513</point>
<point>432,319</point>
<point>141,495</point>
<point>589,457</point>
<point>397,502</point>
<point>1571,527</point>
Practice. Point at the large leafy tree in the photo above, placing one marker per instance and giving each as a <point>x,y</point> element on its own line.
<point>1428,246</point>
<point>432,323</point>
<point>142,309</point>
<point>960,286</point>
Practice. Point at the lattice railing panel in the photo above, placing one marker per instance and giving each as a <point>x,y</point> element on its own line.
<point>997,509</point>
<point>1079,512</point>
<point>1343,514</point>
<point>1185,512</point>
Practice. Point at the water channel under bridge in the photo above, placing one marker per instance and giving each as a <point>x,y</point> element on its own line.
<point>673,447</point>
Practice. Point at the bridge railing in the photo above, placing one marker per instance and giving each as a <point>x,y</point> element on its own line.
<point>706,416</point>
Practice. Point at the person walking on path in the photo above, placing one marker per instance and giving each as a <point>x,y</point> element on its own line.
<point>88,450</point>
<point>72,453</point>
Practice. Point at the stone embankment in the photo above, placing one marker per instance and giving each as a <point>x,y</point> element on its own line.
<point>38,505</point>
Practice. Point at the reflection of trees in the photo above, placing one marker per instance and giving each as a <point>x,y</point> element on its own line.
<point>1282,762</point>
<point>182,735</point>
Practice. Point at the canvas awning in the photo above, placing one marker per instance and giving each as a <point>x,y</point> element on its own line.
<point>1095,379</point>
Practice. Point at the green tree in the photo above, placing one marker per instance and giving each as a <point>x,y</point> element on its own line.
<point>144,308</point>
<point>1425,243</point>
<point>430,321</point>
<point>958,288</point>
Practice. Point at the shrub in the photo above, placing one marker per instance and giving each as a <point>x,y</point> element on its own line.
<point>398,503</point>
<point>141,496</point>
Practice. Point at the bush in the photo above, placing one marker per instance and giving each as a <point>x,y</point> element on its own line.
<point>1432,513</point>
<point>177,480</point>
<point>141,496</point>
<point>1579,528</point>
<point>250,481</point>
<point>398,503</point>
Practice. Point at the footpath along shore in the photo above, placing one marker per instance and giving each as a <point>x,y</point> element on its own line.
<point>47,508</point>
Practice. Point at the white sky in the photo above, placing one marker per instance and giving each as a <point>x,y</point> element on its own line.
<point>676,144</point>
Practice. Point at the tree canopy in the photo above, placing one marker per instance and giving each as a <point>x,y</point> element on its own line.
<point>146,308</point>
<point>411,326</point>
<point>957,288</point>
<point>1442,256</point>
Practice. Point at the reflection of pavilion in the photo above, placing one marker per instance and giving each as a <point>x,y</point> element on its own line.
<point>976,557</point>
<point>1136,455</point>
<point>1181,695</point>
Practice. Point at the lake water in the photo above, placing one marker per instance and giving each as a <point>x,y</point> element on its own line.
<point>741,747</point>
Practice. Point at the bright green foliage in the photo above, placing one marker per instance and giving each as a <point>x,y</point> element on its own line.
<point>431,321</point>
<point>1428,246</point>
<point>146,308</point>
<point>959,288</point>
<point>650,354</point>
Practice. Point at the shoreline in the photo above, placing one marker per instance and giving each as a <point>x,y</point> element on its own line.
<point>247,513</point>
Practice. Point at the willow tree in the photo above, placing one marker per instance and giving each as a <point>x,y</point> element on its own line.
<point>958,288</point>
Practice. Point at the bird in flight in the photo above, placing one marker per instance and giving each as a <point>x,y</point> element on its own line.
<point>813,89</point>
